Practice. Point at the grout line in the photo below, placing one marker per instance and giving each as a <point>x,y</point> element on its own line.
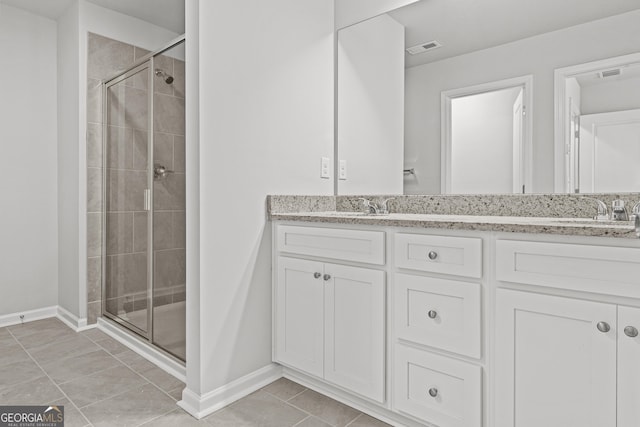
<point>301,421</point>
<point>51,379</point>
<point>293,397</point>
<point>354,420</point>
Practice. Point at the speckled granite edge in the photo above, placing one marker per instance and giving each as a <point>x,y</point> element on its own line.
<point>495,224</point>
<point>529,205</point>
<point>284,204</point>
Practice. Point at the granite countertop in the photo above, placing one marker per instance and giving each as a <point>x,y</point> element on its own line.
<point>560,214</point>
<point>508,224</point>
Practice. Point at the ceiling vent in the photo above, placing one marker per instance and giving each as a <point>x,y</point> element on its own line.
<point>424,47</point>
<point>609,73</point>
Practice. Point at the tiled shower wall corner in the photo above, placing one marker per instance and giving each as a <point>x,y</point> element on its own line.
<point>127,166</point>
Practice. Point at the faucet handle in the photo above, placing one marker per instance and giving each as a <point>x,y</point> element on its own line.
<point>372,207</point>
<point>384,207</point>
<point>603,212</point>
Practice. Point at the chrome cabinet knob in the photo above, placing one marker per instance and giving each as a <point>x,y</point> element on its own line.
<point>603,327</point>
<point>433,392</point>
<point>317,275</point>
<point>432,314</point>
<point>327,277</point>
<point>433,255</point>
<point>631,332</point>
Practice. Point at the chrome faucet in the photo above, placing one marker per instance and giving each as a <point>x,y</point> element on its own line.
<point>619,211</point>
<point>603,212</point>
<point>635,212</point>
<point>375,209</point>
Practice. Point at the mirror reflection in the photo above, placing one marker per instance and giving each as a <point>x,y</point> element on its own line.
<point>418,89</point>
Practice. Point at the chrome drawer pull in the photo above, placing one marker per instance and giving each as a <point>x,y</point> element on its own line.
<point>631,332</point>
<point>432,314</point>
<point>327,277</point>
<point>433,255</point>
<point>433,392</point>
<point>603,327</point>
<point>317,275</point>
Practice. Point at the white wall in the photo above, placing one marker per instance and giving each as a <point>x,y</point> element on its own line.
<point>28,218</point>
<point>539,56</point>
<point>371,106</point>
<point>349,12</point>
<point>610,96</point>
<point>69,261</point>
<point>267,119</point>
<point>482,143</point>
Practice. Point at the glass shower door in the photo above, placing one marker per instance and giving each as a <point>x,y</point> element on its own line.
<point>126,216</point>
<point>169,275</point>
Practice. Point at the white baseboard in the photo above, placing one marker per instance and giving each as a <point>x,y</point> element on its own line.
<point>28,316</point>
<point>202,405</point>
<point>144,349</point>
<point>72,321</point>
<point>362,405</point>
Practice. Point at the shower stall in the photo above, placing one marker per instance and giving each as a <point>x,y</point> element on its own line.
<point>143,216</point>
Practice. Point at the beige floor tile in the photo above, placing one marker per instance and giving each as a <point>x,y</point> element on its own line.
<point>94,334</point>
<point>259,409</point>
<point>40,391</point>
<point>45,337</point>
<point>69,369</point>
<point>112,346</point>
<point>131,408</point>
<point>28,328</point>
<point>68,347</point>
<point>12,353</point>
<point>72,416</point>
<point>93,388</point>
<point>176,393</point>
<point>19,372</point>
<point>135,361</point>
<point>365,420</point>
<point>325,408</point>
<point>163,380</point>
<point>284,389</point>
<point>177,418</point>
<point>312,421</point>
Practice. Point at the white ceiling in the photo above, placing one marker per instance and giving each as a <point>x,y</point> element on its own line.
<point>464,26</point>
<point>168,14</point>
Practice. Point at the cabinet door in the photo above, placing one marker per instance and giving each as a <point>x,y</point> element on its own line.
<point>628,367</point>
<point>299,314</point>
<point>354,329</point>
<point>553,365</point>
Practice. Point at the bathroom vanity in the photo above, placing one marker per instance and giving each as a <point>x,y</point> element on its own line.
<point>461,321</point>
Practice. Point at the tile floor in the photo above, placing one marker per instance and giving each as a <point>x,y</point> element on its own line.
<point>100,382</point>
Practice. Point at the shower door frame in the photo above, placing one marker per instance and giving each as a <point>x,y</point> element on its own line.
<point>146,61</point>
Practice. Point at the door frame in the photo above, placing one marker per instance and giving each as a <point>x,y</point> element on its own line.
<point>561,110</point>
<point>526,82</point>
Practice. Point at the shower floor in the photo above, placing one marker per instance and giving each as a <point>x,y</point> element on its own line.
<point>169,326</point>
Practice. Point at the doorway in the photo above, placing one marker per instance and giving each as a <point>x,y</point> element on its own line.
<point>486,138</point>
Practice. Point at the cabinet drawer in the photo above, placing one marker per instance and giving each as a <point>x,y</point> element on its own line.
<point>600,269</point>
<point>439,313</point>
<point>438,389</point>
<point>348,245</point>
<point>461,256</point>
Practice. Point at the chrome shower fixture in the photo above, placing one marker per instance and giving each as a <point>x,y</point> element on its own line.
<point>166,77</point>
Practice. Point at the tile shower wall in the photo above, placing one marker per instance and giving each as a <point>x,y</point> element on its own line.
<point>127,165</point>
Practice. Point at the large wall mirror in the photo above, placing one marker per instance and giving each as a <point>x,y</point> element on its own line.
<point>463,97</point>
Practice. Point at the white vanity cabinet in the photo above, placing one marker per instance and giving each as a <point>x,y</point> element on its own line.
<point>569,360</point>
<point>438,313</point>
<point>329,317</point>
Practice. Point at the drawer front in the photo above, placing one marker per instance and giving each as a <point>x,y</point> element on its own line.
<point>439,313</point>
<point>438,389</point>
<point>600,269</point>
<point>461,256</point>
<point>341,244</point>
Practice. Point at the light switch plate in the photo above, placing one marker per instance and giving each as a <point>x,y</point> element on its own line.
<point>342,170</point>
<point>324,168</point>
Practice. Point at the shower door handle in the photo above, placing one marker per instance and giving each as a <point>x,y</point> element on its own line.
<point>147,200</point>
